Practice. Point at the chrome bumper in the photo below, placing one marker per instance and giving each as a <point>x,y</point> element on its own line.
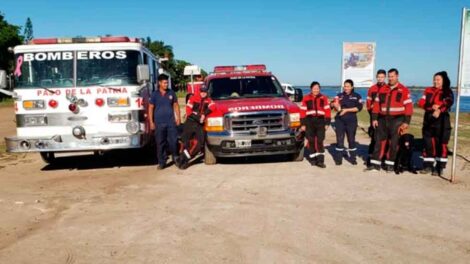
<point>223,145</point>
<point>68,143</point>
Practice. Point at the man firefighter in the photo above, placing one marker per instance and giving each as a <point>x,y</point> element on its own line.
<point>315,113</point>
<point>436,102</point>
<point>371,95</point>
<point>193,88</point>
<point>391,116</point>
<point>197,109</point>
<point>164,117</point>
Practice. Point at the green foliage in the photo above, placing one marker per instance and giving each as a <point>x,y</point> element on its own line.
<point>9,37</point>
<point>28,31</point>
<point>173,66</point>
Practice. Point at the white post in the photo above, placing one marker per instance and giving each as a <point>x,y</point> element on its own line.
<point>459,88</point>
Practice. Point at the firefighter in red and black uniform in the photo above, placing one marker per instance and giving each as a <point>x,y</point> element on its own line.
<point>437,102</point>
<point>391,116</point>
<point>197,109</point>
<point>194,88</point>
<point>315,118</point>
<point>371,95</point>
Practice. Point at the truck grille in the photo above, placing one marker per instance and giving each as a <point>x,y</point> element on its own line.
<point>248,122</point>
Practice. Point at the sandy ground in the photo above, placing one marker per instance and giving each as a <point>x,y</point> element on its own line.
<point>116,210</point>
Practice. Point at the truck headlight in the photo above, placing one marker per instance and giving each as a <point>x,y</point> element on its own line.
<point>118,101</point>
<point>294,119</point>
<point>34,104</point>
<point>215,124</point>
<point>35,120</point>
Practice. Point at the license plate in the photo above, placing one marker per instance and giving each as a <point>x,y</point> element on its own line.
<point>243,143</point>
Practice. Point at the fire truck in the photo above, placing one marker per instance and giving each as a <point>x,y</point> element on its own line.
<point>253,117</point>
<point>82,94</point>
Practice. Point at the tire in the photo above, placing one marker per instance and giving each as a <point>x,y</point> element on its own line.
<point>209,158</point>
<point>48,157</point>
<point>299,156</point>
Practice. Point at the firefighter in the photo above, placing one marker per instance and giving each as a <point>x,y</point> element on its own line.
<point>193,88</point>
<point>371,95</point>
<point>391,116</point>
<point>347,104</point>
<point>436,102</point>
<point>315,119</point>
<point>198,108</point>
<point>164,117</point>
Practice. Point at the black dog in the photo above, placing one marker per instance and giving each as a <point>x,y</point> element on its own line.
<point>404,160</point>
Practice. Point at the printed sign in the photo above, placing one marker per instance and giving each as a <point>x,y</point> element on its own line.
<point>358,63</point>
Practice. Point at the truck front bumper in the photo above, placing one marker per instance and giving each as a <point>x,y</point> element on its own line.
<point>223,145</point>
<point>68,143</point>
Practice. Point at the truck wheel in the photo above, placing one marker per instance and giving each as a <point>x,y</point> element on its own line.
<point>299,156</point>
<point>48,157</point>
<point>209,158</point>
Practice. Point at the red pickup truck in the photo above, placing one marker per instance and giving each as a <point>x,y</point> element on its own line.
<point>254,116</point>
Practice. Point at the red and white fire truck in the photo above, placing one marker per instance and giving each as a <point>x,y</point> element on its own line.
<point>82,94</point>
<point>254,116</point>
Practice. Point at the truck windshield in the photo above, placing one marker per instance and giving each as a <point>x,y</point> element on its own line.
<point>244,87</point>
<point>120,69</point>
<point>37,70</point>
<point>56,69</point>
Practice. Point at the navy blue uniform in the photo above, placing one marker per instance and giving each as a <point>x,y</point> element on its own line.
<point>166,133</point>
<point>346,125</point>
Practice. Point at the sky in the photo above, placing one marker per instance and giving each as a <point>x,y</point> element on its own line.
<point>299,40</point>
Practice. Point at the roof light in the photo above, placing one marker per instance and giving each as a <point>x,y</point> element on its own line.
<point>84,40</point>
<point>242,68</point>
<point>44,41</point>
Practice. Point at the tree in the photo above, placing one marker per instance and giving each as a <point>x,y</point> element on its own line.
<point>173,66</point>
<point>28,31</point>
<point>9,37</point>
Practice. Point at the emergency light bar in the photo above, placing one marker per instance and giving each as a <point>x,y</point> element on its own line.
<point>40,41</point>
<point>227,69</point>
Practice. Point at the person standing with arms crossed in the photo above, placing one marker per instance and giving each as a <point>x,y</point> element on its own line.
<point>436,102</point>
<point>164,117</point>
<point>315,114</point>
<point>371,95</point>
<point>391,115</point>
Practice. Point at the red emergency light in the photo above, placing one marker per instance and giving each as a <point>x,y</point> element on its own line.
<point>114,39</point>
<point>243,68</point>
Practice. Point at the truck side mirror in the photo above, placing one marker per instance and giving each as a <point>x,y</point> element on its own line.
<point>143,73</point>
<point>298,95</point>
<point>3,79</point>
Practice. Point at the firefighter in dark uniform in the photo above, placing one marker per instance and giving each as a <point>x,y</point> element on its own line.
<point>198,108</point>
<point>437,102</point>
<point>315,118</point>
<point>347,104</point>
<point>371,95</point>
<point>391,116</point>
<point>164,117</point>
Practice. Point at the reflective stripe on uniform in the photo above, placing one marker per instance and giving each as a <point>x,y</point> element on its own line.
<point>393,109</point>
<point>427,159</point>
<point>190,105</point>
<point>441,159</point>
<point>303,107</point>
<point>339,149</point>
<point>375,162</point>
<point>316,154</point>
<point>353,149</point>
<point>389,162</point>
<point>407,101</point>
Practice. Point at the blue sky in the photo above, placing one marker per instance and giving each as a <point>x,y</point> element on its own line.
<point>299,40</point>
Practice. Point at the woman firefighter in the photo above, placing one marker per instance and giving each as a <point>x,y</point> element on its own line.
<point>436,102</point>
<point>315,118</point>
